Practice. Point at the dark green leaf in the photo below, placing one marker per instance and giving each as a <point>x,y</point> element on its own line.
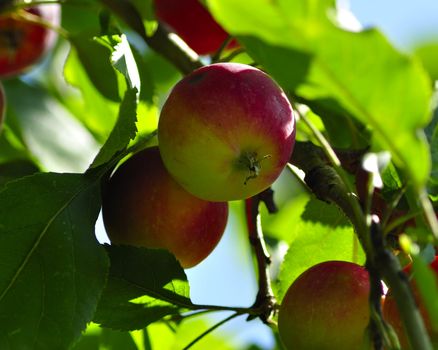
<point>52,269</point>
<point>144,285</point>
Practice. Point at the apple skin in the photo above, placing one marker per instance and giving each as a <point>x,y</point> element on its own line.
<point>392,316</point>
<point>216,122</point>
<point>327,308</point>
<point>23,44</point>
<point>193,23</point>
<point>143,206</point>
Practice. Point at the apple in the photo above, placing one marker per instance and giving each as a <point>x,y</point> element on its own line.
<point>392,316</point>
<point>193,23</point>
<point>23,43</point>
<point>327,308</point>
<point>143,206</point>
<point>226,131</point>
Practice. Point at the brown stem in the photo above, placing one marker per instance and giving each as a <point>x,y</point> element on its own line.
<point>265,299</point>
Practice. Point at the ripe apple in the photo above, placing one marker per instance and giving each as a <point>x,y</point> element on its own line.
<point>392,316</point>
<point>327,308</point>
<point>193,23</point>
<point>226,131</point>
<point>22,43</point>
<point>143,206</point>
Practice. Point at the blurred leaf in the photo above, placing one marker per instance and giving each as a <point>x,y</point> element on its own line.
<point>96,338</point>
<point>53,270</point>
<point>367,86</point>
<point>432,135</point>
<point>86,10</point>
<point>321,235</point>
<point>96,112</point>
<point>144,285</point>
<point>428,53</point>
<point>48,130</point>
<point>123,131</point>
<point>426,281</point>
<point>95,57</point>
<point>11,147</point>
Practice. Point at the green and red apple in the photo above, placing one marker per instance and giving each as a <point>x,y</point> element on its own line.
<point>193,23</point>
<point>226,132</point>
<point>327,308</point>
<point>24,41</point>
<point>143,206</point>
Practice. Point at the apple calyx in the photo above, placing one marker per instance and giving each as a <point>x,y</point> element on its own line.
<point>251,162</point>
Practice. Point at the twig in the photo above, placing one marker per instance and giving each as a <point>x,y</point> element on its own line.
<point>265,300</point>
<point>211,329</point>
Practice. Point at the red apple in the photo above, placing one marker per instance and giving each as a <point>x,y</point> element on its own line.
<point>327,308</point>
<point>193,23</point>
<point>143,206</point>
<point>226,132</point>
<point>22,43</point>
<point>392,316</point>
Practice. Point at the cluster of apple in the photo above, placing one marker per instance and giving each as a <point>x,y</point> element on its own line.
<point>225,133</point>
<point>25,37</point>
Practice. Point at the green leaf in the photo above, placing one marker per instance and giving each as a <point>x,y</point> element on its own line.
<point>96,112</point>
<point>123,131</point>
<point>96,338</point>
<point>15,169</point>
<point>52,269</point>
<point>144,285</point>
<point>47,129</point>
<point>322,234</point>
<point>337,67</point>
<point>96,60</point>
<point>426,281</point>
<point>427,53</point>
<point>123,60</point>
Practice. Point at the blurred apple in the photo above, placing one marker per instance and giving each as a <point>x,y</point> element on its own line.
<point>23,43</point>
<point>327,308</point>
<point>226,132</point>
<point>193,23</point>
<point>143,206</point>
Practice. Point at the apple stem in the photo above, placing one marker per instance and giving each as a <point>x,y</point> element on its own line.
<point>250,161</point>
<point>265,300</point>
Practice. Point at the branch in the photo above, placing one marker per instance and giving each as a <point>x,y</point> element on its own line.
<point>265,300</point>
<point>183,58</point>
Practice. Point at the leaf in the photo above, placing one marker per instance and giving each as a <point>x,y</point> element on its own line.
<point>337,67</point>
<point>103,338</point>
<point>52,269</point>
<point>123,131</point>
<point>96,60</point>
<point>317,239</point>
<point>123,60</point>
<point>144,285</point>
<point>15,169</point>
<point>96,112</point>
<point>47,129</point>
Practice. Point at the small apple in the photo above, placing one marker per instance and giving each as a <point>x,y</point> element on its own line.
<point>143,206</point>
<point>226,132</point>
<point>327,308</point>
<point>193,23</point>
<point>23,43</point>
<point>392,316</point>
